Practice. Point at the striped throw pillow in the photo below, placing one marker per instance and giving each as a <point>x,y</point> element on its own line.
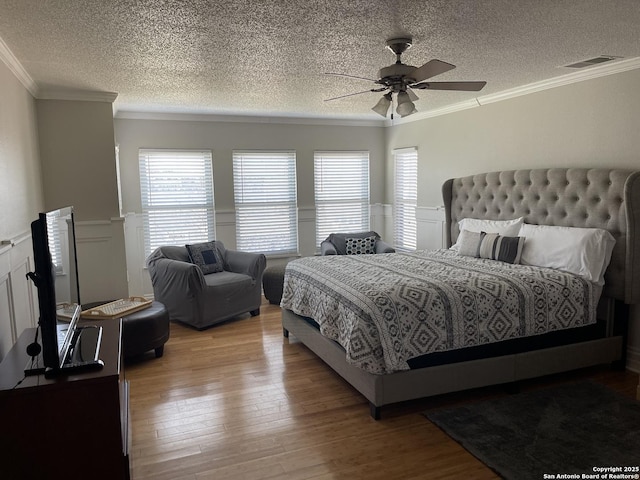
<point>497,247</point>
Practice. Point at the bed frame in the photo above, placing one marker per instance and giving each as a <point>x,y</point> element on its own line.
<point>597,198</point>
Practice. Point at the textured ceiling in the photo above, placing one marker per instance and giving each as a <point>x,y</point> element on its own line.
<point>247,57</point>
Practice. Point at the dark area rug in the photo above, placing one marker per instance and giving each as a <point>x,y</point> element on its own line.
<point>567,429</point>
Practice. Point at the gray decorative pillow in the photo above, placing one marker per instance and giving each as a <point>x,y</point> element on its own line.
<point>504,249</point>
<point>339,240</point>
<point>359,246</point>
<point>469,243</point>
<point>206,256</point>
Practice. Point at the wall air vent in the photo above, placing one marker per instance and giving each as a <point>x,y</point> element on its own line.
<point>592,61</point>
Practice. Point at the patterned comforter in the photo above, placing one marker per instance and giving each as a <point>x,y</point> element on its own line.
<point>388,308</point>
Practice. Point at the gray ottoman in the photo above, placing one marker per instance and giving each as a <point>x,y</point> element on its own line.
<point>273,282</point>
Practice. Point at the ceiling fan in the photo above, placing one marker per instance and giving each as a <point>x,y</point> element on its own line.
<point>402,79</point>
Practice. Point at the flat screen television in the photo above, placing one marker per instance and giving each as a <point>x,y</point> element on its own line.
<point>65,346</point>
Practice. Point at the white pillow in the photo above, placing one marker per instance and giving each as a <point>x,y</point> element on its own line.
<point>507,228</point>
<point>583,251</point>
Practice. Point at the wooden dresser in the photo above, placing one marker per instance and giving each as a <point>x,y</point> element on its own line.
<point>74,427</point>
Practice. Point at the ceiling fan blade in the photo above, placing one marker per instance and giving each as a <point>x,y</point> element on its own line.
<point>412,96</point>
<point>357,93</point>
<point>464,86</point>
<point>350,76</point>
<point>431,69</point>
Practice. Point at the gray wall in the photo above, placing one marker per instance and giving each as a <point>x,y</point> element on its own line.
<point>593,123</point>
<point>78,158</point>
<point>21,198</point>
<point>77,151</point>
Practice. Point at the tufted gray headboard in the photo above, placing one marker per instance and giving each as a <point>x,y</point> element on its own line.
<point>574,197</point>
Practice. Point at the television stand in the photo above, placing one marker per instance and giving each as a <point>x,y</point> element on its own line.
<point>83,415</point>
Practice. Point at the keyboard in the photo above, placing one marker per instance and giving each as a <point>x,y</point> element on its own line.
<point>119,308</point>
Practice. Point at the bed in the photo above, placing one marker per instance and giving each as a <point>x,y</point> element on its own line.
<point>462,356</point>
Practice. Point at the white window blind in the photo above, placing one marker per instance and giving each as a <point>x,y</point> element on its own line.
<point>266,202</point>
<point>405,198</point>
<point>341,192</point>
<point>177,197</point>
<point>55,240</point>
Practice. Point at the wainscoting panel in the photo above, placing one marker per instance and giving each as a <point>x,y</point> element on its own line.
<point>430,226</point>
<point>382,221</point>
<point>101,254</point>
<point>226,228</point>
<point>139,281</point>
<point>307,231</point>
<point>18,296</point>
<point>24,292</point>
<point>7,319</point>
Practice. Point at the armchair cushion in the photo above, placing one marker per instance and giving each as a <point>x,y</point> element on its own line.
<point>206,256</point>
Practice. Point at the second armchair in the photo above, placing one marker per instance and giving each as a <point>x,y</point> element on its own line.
<point>354,243</point>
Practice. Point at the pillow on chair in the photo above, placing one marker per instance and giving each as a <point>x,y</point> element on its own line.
<point>358,246</point>
<point>339,240</point>
<point>206,256</point>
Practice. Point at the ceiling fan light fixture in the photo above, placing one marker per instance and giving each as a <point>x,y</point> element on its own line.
<point>409,113</point>
<point>405,106</point>
<point>402,80</point>
<point>382,107</point>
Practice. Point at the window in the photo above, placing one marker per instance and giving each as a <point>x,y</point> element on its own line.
<point>341,192</point>
<point>54,240</point>
<point>177,197</point>
<point>266,202</point>
<point>405,198</point>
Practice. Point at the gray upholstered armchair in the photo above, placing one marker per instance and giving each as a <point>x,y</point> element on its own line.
<point>352,243</point>
<point>204,299</point>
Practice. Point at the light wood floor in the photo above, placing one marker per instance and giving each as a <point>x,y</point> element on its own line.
<point>238,401</point>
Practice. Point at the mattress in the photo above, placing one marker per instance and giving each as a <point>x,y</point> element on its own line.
<point>387,309</point>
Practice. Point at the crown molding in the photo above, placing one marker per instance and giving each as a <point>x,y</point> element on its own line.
<point>201,117</point>
<point>78,95</point>
<point>10,60</point>
<point>576,77</point>
<point>588,74</point>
